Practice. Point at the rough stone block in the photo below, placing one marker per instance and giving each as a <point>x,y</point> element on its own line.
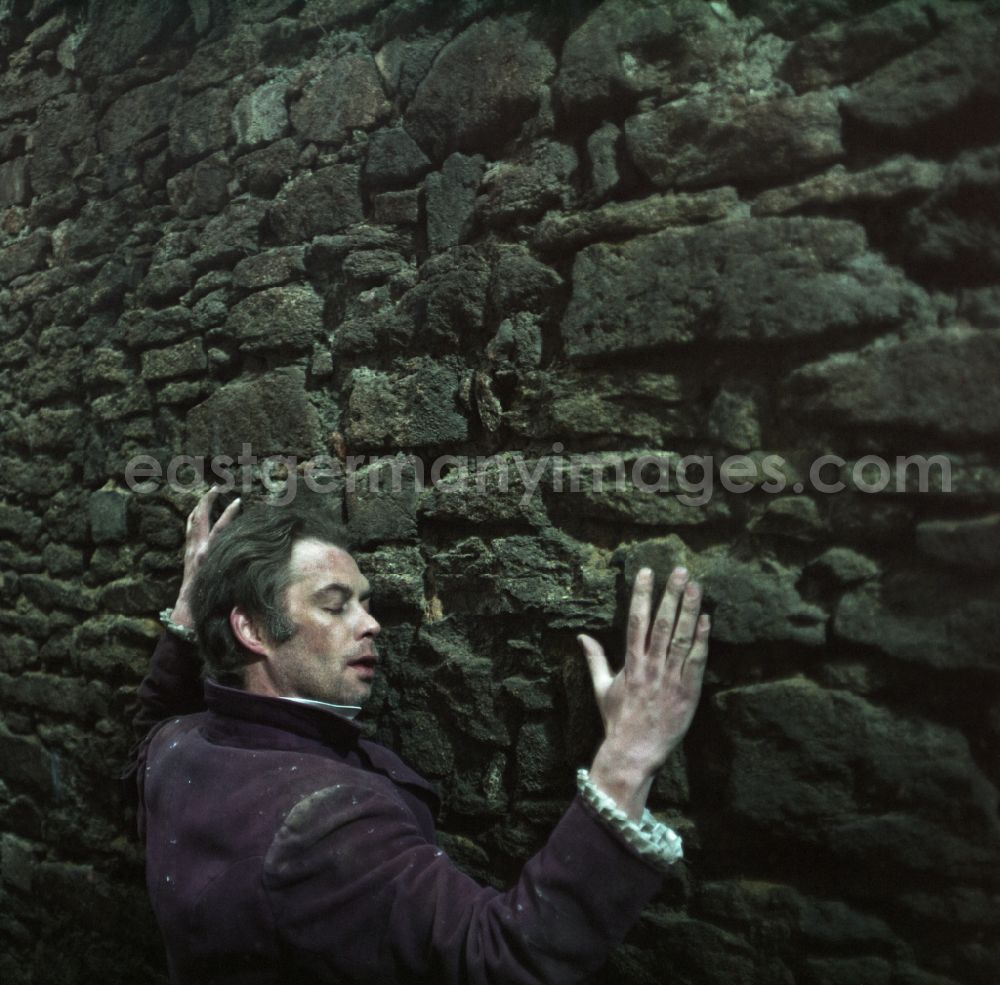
<point>956,231</point>
<point>919,617</point>
<point>718,138</point>
<point>396,575</point>
<point>136,115</point>
<point>261,115</point>
<point>945,381</point>
<point>346,95</point>
<point>628,48</point>
<point>394,159</point>
<point>25,764</point>
<point>974,542</point>
<point>271,268</point>
<point>481,88</point>
<point>200,125</point>
<point>397,208</point>
<point>414,407</point>
<point>202,189</point>
<point>109,516</point>
<point>828,767</point>
<point>522,189</point>
<point>920,90</point>
<point>382,502</point>
<point>451,200</point>
<point>325,201</point>
<point>272,413</point>
<point>14,185</point>
<point>276,318</point>
<point>24,255</point>
<point>846,51</point>
<point>764,280</point>
<point>185,359</point>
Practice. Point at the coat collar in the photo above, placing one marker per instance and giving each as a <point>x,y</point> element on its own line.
<point>307,720</point>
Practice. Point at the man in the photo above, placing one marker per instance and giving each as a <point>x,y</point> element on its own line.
<point>281,846</point>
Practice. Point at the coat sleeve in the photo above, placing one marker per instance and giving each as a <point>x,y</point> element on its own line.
<point>172,686</point>
<point>359,894</point>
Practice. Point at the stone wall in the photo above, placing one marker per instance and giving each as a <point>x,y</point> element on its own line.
<point>529,231</point>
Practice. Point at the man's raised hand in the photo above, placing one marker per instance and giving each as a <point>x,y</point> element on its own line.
<point>648,705</point>
<point>198,536</point>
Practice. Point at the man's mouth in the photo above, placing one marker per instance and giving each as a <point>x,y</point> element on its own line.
<point>366,664</point>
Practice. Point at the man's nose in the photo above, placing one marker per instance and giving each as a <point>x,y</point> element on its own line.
<point>370,625</point>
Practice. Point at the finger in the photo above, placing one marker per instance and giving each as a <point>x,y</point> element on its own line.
<point>638,620</point>
<point>198,517</point>
<point>666,614</point>
<point>228,514</point>
<point>694,667</point>
<point>687,622</point>
<point>600,673</point>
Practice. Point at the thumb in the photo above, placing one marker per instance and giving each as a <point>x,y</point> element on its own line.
<point>597,662</point>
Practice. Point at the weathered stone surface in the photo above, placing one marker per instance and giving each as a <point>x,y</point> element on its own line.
<point>753,600</point>
<point>202,189</point>
<point>618,220</point>
<point>394,159</point>
<point>482,86</point>
<point>165,282</point>
<point>184,359</point>
<point>14,186</point>
<point>277,318</point>
<point>382,501</point>
<point>347,95</point>
<point>271,268</point>
<point>396,575</point>
<point>923,618</point>
<point>116,34</point>
<point>413,407</point>
<point>767,280</point>
<point>603,148</point>
<point>136,115</point>
<point>848,50</point>
<point>957,230</point>
<point>485,489</point>
<point>644,406</point>
<point>397,208</point>
<point>25,255</point>
<point>548,572</point>
<point>628,48</point>
<point>230,236</point>
<point>945,381</point>
<point>24,764</point>
<point>845,566</point>
<point>261,115</point>
<point>265,170</point>
<point>322,202</point>
<point>200,125</point>
<point>790,18</point>
<point>920,89</point>
<point>272,413</point>
<point>451,200</point>
<point>109,516</point>
<point>713,139</point>
<point>734,418</point>
<point>972,542</point>
<point>828,767</point>
<point>520,190</point>
<point>893,179</point>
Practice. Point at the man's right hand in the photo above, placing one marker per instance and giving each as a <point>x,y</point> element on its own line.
<point>198,537</point>
<point>648,705</point>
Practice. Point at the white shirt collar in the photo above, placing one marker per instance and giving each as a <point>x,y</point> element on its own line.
<point>345,711</point>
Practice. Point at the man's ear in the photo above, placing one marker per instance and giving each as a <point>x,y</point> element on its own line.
<point>246,629</point>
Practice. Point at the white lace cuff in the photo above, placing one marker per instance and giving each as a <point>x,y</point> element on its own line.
<point>650,838</point>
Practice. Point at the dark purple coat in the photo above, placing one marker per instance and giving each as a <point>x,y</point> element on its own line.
<point>282,846</point>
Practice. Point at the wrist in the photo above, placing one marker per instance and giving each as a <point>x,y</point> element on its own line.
<point>622,778</point>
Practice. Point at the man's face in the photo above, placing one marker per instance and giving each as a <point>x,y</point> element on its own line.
<point>331,657</point>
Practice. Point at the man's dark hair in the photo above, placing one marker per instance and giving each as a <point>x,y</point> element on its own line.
<point>248,566</point>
